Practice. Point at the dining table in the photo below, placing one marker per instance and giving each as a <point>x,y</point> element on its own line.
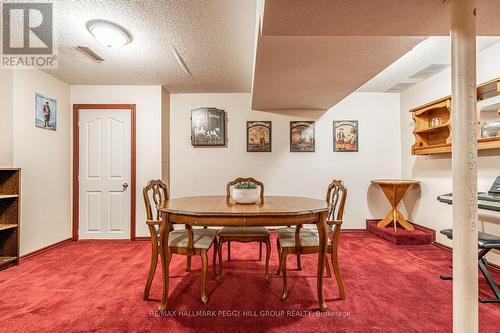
<point>220,211</point>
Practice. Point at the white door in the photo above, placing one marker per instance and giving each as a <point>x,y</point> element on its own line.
<point>104,174</point>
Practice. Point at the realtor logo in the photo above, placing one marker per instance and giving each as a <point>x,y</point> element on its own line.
<point>28,35</point>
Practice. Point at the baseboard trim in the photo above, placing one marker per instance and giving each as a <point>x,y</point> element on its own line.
<point>142,238</point>
<point>45,249</point>
<point>353,230</point>
<point>442,246</point>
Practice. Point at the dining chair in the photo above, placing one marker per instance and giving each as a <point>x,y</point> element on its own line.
<point>186,242</point>
<point>244,234</point>
<point>300,240</point>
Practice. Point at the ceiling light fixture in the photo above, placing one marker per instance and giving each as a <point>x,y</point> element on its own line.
<point>109,33</point>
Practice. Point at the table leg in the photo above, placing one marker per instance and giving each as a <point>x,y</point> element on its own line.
<point>387,219</point>
<point>164,231</point>
<point>403,221</point>
<point>395,216</point>
<point>395,219</point>
<point>323,244</point>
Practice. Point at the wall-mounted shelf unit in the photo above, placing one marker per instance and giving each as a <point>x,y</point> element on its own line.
<point>10,187</point>
<point>488,89</point>
<point>432,126</point>
<point>433,123</point>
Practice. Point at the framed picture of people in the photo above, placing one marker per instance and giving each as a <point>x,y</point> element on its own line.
<point>208,127</point>
<point>45,112</point>
<point>302,136</point>
<point>259,136</point>
<point>345,136</point>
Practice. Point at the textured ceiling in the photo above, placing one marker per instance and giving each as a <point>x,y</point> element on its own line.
<point>309,54</point>
<point>312,54</point>
<point>434,50</point>
<point>317,72</point>
<point>214,38</point>
<point>371,17</point>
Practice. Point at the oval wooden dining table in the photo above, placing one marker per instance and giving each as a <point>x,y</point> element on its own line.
<point>218,211</point>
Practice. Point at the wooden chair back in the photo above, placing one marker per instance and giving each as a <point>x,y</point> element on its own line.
<point>248,180</point>
<point>159,194</point>
<point>335,198</point>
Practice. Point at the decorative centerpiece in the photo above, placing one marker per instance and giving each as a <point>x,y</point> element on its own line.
<point>245,193</point>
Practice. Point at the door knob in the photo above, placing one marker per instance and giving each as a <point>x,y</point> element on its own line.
<point>125,186</point>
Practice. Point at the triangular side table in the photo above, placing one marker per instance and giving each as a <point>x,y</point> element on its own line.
<point>394,190</point>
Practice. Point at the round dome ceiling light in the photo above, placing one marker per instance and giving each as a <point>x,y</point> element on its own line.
<point>108,33</point>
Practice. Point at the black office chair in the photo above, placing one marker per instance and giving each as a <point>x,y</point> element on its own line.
<point>485,243</point>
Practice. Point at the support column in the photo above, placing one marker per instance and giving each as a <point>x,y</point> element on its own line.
<point>464,160</point>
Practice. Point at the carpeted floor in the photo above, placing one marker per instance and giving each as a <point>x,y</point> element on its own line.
<point>98,286</point>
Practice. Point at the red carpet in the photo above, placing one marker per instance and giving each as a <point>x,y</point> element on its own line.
<point>401,236</point>
<point>98,285</point>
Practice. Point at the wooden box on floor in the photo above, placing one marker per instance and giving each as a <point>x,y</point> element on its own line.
<point>10,186</point>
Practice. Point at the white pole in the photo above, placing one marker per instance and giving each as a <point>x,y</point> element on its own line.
<point>464,160</point>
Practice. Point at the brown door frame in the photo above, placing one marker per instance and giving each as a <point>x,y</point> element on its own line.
<point>76,161</point>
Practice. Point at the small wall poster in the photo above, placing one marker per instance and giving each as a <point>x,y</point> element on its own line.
<point>345,136</point>
<point>208,127</point>
<point>259,136</point>
<point>302,136</point>
<point>45,112</point>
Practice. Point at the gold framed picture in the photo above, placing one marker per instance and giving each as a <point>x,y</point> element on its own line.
<point>302,136</point>
<point>345,136</point>
<point>259,136</point>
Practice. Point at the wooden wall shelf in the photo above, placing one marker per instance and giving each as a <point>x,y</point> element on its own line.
<point>433,123</point>
<point>8,196</point>
<point>432,127</point>
<point>7,261</point>
<point>427,130</point>
<point>7,226</point>
<point>488,89</point>
<point>10,186</point>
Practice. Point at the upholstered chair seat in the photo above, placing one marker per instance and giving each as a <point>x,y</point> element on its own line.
<point>202,238</point>
<point>308,237</point>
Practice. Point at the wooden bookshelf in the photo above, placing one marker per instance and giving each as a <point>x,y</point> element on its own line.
<point>433,123</point>
<point>10,188</point>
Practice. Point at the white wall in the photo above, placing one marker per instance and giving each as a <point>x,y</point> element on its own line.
<point>45,159</point>
<point>435,170</point>
<point>165,135</point>
<point>204,171</point>
<point>6,119</point>
<point>149,114</point>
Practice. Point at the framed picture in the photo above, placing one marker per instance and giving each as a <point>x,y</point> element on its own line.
<point>45,112</point>
<point>259,136</point>
<point>302,136</point>
<point>208,127</point>
<point>345,136</point>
